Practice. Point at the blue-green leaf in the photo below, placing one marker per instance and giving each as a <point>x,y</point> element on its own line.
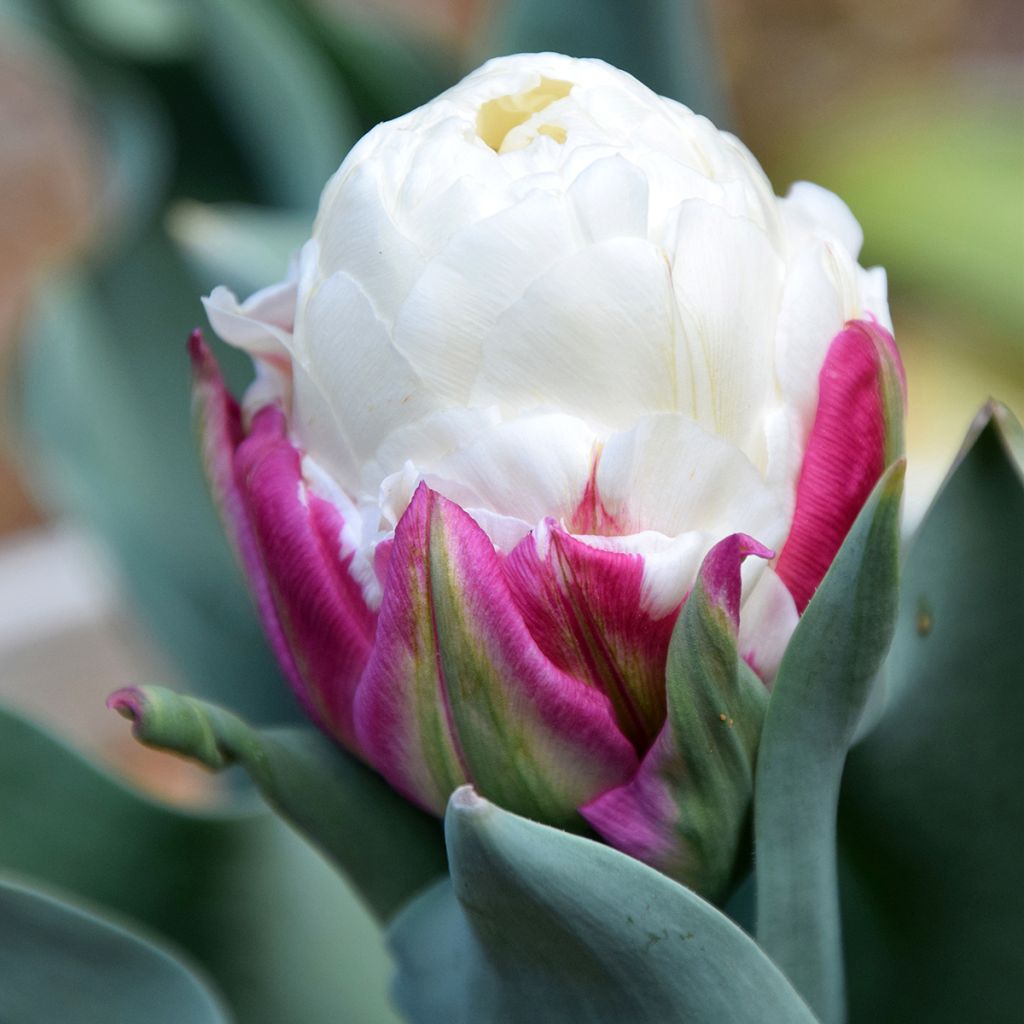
<point>539,926</point>
<point>932,815</point>
<point>387,848</point>
<point>820,693</point>
<point>61,963</point>
<point>273,925</point>
<point>243,247</point>
<point>137,29</point>
<point>290,112</point>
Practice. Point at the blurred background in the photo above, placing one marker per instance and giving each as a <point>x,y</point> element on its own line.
<point>150,149</point>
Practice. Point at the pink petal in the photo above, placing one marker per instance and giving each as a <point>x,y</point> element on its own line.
<point>458,691</point>
<point>319,605</point>
<point>857,432</point>
<point>684,810</point>
<point>584,608</point>
<point>219,425</point>
<point>312,610</point>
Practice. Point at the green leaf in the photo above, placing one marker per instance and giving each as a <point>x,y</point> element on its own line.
<point>273,925</point>
<point>932,819</point>
<point>716,705</point>
<point>664,43</point>
<point>820,693</point>
<point>60,963</point>
<point>137,29</point>
<point>538,926</point>
<point>388,70</point>
<point>243,247</point>
<point>291,113</point>
<point>387,848</point>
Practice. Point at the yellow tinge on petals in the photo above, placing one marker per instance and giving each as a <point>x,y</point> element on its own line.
<point>498,117</point>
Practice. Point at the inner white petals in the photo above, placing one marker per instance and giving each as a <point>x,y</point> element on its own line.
<point>767,620</point>
<point>614,281</point>
<point>598,219</point>
<point>368,384</point>
<point>470,283</point>
<point>728,281</point>
<point>596,336</point>
<point>357,235</point>
<point>820,294</point>
<point>813,211</point>
<point>529,468</point>
<point>670,475</point>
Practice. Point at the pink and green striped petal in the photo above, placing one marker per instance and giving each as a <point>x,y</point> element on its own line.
<point>686,809</point>
<point>289,542</point>
<point>857,434</point>
<point>457,690</point>
<point>584,606</point>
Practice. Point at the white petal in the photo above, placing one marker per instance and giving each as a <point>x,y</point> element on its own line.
<point>367,384</point>
<point>810,209</point>
<point>425,441</point>
<point>874,288</point>
<point>356,233</point>
<point>471,282</point>
<point>262,325</point>
<point>670,475</point>
<point>529,468</point>
<point>767,620</point>
<point>728,282</point>
<point>595,336</point>
<point>821,293</point>
<point>609,200</point>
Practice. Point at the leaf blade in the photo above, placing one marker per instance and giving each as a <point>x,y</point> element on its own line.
<point>820,693</point>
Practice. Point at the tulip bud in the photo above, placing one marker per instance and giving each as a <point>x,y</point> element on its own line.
<point>552,339</point>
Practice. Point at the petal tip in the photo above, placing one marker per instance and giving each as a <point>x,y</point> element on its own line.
<point>127,702</point>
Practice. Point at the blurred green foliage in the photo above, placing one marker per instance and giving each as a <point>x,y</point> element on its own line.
<point>277,930</point>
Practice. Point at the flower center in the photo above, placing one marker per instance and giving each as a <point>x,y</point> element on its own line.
<point>498,117</point>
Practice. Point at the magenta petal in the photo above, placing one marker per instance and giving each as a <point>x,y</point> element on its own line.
<point>457,690</point>
<point>312,610</point>
<point>685,809</point>
<point>584,607</point>
<point>320,609</point>
<point>857,433</point>
<point>219,424</point>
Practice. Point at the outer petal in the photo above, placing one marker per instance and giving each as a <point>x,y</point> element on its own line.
<point>458,691</point>
<point>584,607</point>
<point>319,603</point>
<point>218,422</point>
<point>685,809</point>
<point>857,432</point>
<point>289,543</point>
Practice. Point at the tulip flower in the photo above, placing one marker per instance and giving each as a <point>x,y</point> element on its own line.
<point>553,346</point>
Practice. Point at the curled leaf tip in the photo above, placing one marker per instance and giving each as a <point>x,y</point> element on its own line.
<point>466,798</point>
<point>127,703</point>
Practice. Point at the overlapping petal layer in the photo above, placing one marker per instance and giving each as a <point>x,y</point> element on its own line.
<point>683,810</point>
<point>857,433</point>
<point>457,685</point>
<point>290,544</point>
